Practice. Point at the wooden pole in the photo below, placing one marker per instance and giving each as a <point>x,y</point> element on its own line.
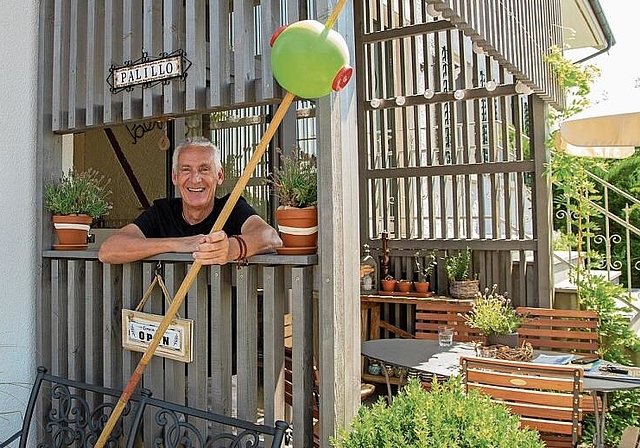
<point>193,271</point>
<point>195,267</point>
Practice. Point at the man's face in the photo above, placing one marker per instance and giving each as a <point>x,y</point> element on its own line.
<point>196,177</point>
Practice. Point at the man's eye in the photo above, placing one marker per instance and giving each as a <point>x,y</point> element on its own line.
<point>205,171</point>
<point>185,171</point>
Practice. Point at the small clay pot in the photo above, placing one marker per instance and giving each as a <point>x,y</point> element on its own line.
<point>421,286</point>
<point>404,285</point>
<point>389,285</point>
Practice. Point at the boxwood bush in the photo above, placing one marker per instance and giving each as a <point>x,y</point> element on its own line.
<point>446,417</point>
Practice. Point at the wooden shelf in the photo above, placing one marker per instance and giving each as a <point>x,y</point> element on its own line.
<point>406,294</point>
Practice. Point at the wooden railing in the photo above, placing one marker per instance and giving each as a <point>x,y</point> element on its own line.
<point>80,330</point>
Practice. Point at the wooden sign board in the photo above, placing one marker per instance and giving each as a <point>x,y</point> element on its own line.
<point>138,329</point>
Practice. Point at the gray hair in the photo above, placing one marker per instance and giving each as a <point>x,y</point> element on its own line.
<point>202,143</point>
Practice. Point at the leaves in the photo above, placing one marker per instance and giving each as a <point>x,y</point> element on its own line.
<point>79,193</point>
<point>457,266</point>
<point>443,417</point>
<point>493,314</point>
<point>296,182</point>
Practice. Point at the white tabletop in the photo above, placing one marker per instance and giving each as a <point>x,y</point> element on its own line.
<point>425,355</point>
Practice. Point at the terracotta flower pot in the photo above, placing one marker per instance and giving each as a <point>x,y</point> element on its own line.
<point>298,229</point>
<point>389,285</point>
<point>72,231</point>
<point>421,286</point>
<point>404,286</point>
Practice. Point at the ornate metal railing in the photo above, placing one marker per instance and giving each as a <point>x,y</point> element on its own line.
<point>238,336</point>
<point>613,241</point>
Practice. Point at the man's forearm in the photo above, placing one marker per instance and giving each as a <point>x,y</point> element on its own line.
<point>124,249</point>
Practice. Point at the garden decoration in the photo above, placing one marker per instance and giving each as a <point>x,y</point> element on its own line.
<point>294,89</point>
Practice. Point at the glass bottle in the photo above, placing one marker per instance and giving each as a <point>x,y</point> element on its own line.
<point>368,272</point>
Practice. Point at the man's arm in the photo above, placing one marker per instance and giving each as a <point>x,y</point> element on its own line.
<point>218,248</point>
<point>129,244</point>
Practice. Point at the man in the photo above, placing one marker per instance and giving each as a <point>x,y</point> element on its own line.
<point>183,224</point>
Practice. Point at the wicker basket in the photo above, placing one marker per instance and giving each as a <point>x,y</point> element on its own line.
<point>465,289</point>
<point>522,353</point>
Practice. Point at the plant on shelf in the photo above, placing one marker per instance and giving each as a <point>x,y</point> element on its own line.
<point>424,270</point>
<point>458,269</point>
<point>494,316</point>
<point>295,184</point>
<point>389,283</point>
<point>75,201</point>
<point>444,417</point>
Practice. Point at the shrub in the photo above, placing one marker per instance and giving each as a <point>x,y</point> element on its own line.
<point>446,417</point>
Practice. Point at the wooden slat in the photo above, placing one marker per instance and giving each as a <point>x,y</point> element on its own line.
<point>220,359</point>
<point>275,336</point>
<point>94,340</point>
<point>172,40</point>
<point>197,308</point>
<point>302,310</point>
<point>73,63</point>
<point>59,318</point>
<point>195,42</point>
<point>175,379</point>
<point>247,349</point>
<point>219,51</point>
<point>270,21</point>
<point>60,98</point>
<point>75,313</point>
<point>111,309</point>
<point>153,378</point>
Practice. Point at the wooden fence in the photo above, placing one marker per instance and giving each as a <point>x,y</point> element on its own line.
<point>80,333</point>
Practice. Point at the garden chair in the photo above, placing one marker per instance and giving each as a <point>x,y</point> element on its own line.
<point>573,331</point>
<point>431,315</point>
<point>547,398</point>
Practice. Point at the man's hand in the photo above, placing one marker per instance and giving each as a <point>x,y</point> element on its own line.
<point>212,248</point>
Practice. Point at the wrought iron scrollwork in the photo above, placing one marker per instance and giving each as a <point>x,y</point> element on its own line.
<point>73,422</point>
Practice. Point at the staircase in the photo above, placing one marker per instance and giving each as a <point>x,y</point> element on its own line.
<point>565,290</point>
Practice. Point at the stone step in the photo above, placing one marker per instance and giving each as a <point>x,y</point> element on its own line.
<point>567,285</point>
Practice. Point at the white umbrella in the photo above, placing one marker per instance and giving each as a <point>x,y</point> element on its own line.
<point>609,129</point>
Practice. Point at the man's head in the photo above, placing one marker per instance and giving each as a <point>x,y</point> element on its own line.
<point>197,172</point>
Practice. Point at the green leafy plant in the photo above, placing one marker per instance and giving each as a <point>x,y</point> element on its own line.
<point>425,270</point>
<point>458,266</point>
<point>79,193</point>
<point>493,314</point>
<point>445,417</point>
<point>296,183</point>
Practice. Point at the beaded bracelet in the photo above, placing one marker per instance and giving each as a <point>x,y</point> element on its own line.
<point>242,257</point>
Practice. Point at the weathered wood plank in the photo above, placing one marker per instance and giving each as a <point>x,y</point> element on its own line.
<point>247,336</point>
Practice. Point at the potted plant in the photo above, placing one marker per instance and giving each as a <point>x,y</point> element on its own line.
<point>444,417</point>
<point>295,184</point>
<point>389,284</point>
<point>75,201</point>
<point>458,269</point>
<point>404,285</point>
<point>424,271</point>
<point>494,316</point>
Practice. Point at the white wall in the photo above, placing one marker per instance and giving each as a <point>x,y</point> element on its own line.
<point>18,261</point>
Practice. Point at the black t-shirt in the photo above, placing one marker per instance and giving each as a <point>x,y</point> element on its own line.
<point>164,219</point>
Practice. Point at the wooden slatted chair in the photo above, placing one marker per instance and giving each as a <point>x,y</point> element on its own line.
<point>545,397</point>
<point>572,331</point>
<point>431,315</point>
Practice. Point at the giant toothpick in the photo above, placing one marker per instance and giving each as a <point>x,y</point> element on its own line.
<point>195,267</point>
